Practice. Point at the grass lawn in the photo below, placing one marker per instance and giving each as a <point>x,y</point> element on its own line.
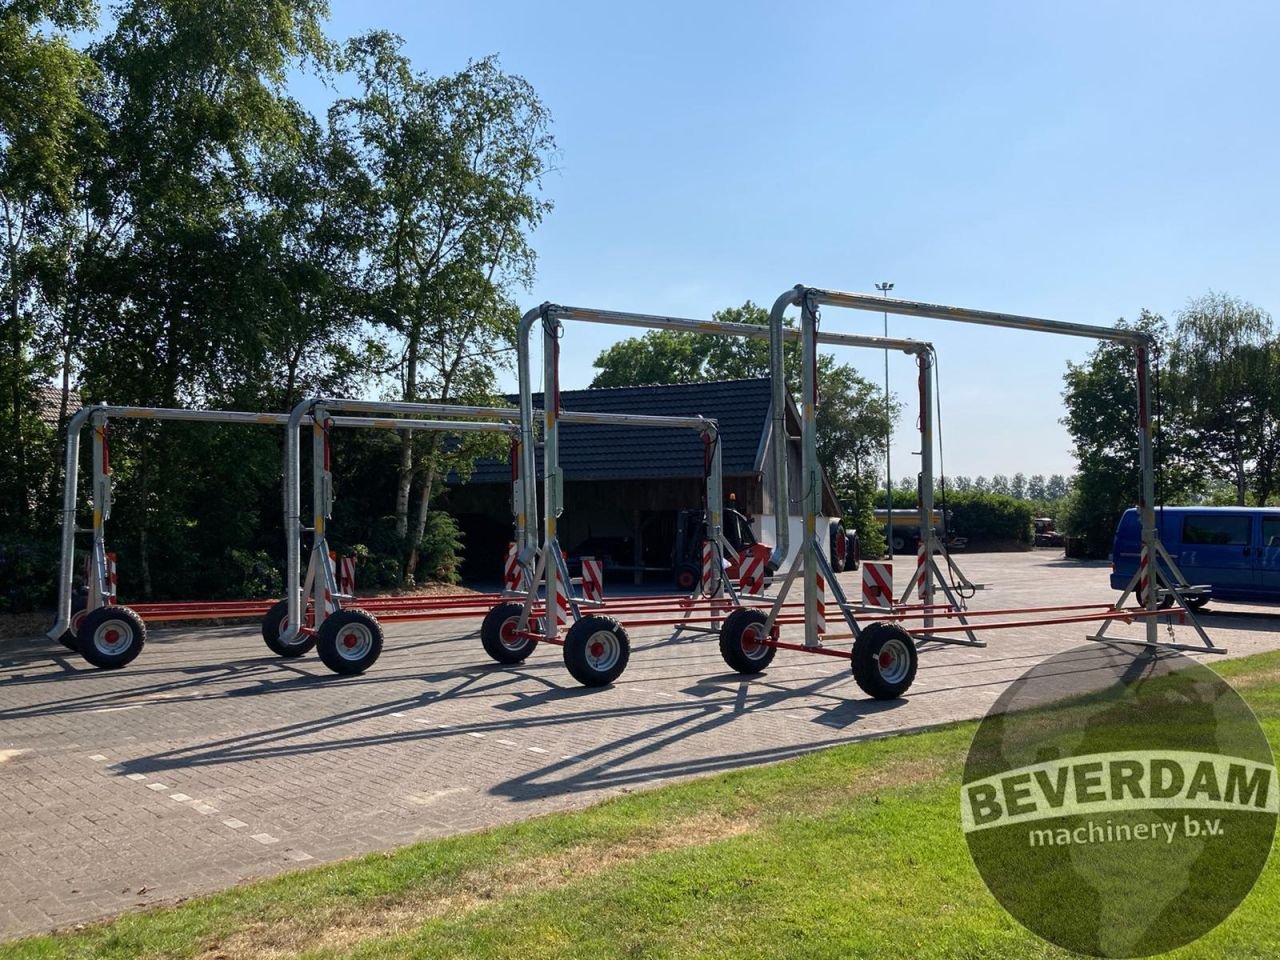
<point>851,852</point>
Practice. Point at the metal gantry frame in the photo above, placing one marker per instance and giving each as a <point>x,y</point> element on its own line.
<point>809,561</point>
<point>100,415</point>
<point>320,581</point>
<point>1155,559</point>
<point>551,317</point>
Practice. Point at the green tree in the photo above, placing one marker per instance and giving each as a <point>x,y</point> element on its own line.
<point>456,164</point>
<point>43,80</point>
<point>1102,418</point>
<point>1223,373</point>
<point>1036,487</point>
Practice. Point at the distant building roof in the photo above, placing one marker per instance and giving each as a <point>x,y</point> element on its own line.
<point>48,399</point>
<point>590,452</point>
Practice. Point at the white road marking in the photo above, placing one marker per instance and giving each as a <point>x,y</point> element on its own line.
<point>478,736</point>
<point>97,756</point>
<point>265,838</point>
<point>205,808</point>
<point>134,706</point>
<point>507,743</point>
<point>157,787</point>
<point>180,797</point>
<point>234,824</point>
<point>536,750</point>
<point>135,776</point>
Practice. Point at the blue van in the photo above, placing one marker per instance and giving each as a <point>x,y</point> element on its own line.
<point>1235,551</point>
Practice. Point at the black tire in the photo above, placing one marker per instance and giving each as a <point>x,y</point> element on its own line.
<point>738,646</point>
<point>596,651</point>
<point>497,634</point>
<point>853,557</point>
<point>1196,601</point>
<point>839,548</point>
<point>899,544</point>
<point>687,577</point>
<point>111,637</point>
<point>273,623</point>
<point>349,641</point>
<point>884,661</point>
<point>68,638</point>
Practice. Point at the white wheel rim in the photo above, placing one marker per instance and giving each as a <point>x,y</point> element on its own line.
<point>750,643</point>
<point>354,641</point>
<point>77,619</point>
<point>603,650</point>
<point>894,661</point>
<point>113,637</point>
<point>508,637</point>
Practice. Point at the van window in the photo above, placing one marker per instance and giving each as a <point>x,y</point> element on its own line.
<point>1271,532</point>
<point>1219,531</point>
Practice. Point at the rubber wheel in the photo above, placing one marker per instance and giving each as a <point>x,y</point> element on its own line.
<point>596,651</point>
<point>899,544</point>
<point>1195,601</point>
<point>687,577</point>
<point>111,637</point>
<point>349,641</point>
<point>273,624</point>
<point>839,548</point>
<point>498,634</point>
<point>884,661</point>
<point>853,558</point>
<point>68,638</point>
<point>739,641</point>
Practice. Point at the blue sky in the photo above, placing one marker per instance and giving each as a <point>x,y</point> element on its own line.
<point>1077,161</point>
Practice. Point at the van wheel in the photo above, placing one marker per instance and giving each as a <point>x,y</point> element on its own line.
<point>1195,600</point>
<point>111,637</point>
<point>884,661</point>
<point>273,625</point>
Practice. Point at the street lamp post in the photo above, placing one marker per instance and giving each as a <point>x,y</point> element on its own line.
<point>884,289</point>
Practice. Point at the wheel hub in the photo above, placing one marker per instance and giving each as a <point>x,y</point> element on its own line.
<point>350,640</point>
<point>597,648</point>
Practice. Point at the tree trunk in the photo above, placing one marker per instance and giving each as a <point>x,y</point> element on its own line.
<point>424,502</point>
<point>404,473</point>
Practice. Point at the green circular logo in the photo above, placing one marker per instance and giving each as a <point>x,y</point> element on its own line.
<point>1120,802</point>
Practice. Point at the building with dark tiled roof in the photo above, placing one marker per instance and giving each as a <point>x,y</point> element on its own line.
<point>623,485</point>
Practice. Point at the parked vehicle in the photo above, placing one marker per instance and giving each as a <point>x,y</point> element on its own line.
<point>686,555</point>
<point>906,529</point>
<point>1228,553</point>
<point>1046,534</point>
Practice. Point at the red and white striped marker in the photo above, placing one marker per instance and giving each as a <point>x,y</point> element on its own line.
<point>563,614</point>
<point>511,568</point>
<point>111,578</point>
<point>1144,578</point>
<point>347,576</point>
<point>751,573</point>
<point>877,584</point>
<point>820,626</point>
<point>592,578</point>
<point>920,570</point>
<point>708,570</point>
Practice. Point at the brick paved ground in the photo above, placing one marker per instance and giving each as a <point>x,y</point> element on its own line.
<point>209,761</point>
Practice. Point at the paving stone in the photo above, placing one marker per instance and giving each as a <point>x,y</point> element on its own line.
<point>299,765</point>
